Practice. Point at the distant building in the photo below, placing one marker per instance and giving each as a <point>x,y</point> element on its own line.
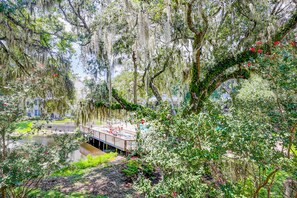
<point>33,107</point>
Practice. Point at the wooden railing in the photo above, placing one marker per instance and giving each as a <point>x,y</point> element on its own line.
<point>126,144</point>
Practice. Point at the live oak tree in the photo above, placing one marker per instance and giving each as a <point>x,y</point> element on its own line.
<point>245,150</point>
<point>205,43</point>
<point>35,52</point>
<point>192,46</point>
<point>34,62</point>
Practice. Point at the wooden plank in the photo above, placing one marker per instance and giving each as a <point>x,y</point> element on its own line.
<point>119,142</point>
<point>87,149</point>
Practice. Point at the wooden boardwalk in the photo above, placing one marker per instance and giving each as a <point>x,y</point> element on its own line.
<point>124,140</point>
<point>87,149</point>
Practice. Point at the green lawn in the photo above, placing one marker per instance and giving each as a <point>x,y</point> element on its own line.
<point>63,121</point>
<point>24,126</point>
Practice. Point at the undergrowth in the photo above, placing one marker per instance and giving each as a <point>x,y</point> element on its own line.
<point>80,167</point>
<point>57,194</point>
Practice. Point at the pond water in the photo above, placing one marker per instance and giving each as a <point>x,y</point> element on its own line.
<point>76,155</point>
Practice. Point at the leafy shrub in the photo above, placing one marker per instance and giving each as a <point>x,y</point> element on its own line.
<point>134,167</point>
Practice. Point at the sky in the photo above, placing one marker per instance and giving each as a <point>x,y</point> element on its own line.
<point>76,63</point>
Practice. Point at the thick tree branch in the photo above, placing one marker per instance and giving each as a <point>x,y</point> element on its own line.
<point>265,182</point>
<point>197,45</point>
<point>21,66</point>
<point>227,63</point>
<point>198,89</point>
<point>217,82</point>
<point>81,24</point>
<point>155,91</point>
<point>189,18</point>
<point>135,74</point>
<point>242,57</point>
<point>146,71</point>
<point>205,92</point>
<point>151,83</point>
<point>67,19</point>
<point>291,138</point>
<point>286,28</point>
<point>124,104</point>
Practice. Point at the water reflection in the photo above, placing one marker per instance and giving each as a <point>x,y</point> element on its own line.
<point>76,155</point>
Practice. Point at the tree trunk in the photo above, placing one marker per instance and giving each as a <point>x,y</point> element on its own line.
<point>291,139</point>
<point>135,78</point>
<point>198,63</point>
<point>194,86</point>
<point>155,91</point>
<point>147,85</point>
<point>3,195</point>
<point>109,84</point>
<point>264,183</point>
<point>3,147</point>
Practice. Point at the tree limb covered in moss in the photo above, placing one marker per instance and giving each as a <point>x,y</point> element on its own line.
<point>190,23</point>
<point>123,103</point>
<point>198,89</point>
<point>11,55</point>
<point>216,83</point>
<point>151,83</point>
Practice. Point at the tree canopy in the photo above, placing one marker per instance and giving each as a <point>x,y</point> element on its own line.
<point>35,52</point>
<point>177,47</point>
<point>164,60</point>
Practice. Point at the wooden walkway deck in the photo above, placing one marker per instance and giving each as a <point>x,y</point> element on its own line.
<point>124,140</point>
<point>87,149</point>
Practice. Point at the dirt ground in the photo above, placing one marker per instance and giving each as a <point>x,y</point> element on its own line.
<point>107,181</point>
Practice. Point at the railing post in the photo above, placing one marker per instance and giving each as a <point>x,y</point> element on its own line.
<point>99,139</point>
<point>106,146</point>
<point>125,146</point>
<point>93,137</point>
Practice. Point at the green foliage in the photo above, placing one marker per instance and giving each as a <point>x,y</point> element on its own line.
<point>80,167</point>
<point>132,168</point>
<point>135,166</point>
<point>29,163</point>
<point>32,58</point>
<point>210,154</point>
<point>223,154</point>
<point>25,165</point>
<point>67,171</point>
<point>94,161</point>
